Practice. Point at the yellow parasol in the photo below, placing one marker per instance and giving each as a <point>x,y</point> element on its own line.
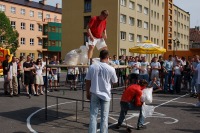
<point>147,47</point>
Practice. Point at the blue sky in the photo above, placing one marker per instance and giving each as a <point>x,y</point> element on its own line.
<point>191,6</point>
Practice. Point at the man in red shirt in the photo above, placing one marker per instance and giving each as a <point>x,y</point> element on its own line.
<point>130,100</point>
<point>96,30</point>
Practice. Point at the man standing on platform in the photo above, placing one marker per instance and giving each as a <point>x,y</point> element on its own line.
<point>98,90</point>
<point>96,30</point>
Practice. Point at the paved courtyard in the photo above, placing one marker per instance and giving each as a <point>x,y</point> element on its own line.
<point>173,114</point>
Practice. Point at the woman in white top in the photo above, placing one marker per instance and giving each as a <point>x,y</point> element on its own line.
<point>177,76</point>
<point>39,77</point>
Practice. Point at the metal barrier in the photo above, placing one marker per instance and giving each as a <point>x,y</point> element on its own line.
<point>119,75</point>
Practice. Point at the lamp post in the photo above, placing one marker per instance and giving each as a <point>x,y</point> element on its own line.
<point>176,44</point>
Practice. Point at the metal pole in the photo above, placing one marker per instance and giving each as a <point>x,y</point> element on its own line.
<point>46,92</point>
<point>112,101</point>
<point>76,109</point>
<point>57,107</point>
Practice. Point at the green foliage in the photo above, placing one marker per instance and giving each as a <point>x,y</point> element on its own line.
<point>10,36</point>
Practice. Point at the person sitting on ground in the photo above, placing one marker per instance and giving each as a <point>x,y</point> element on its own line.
<point>155,83</point>
<point>131,100</point>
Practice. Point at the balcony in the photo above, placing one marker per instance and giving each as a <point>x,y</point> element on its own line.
<point>195,46</point>
<point>52,20</point>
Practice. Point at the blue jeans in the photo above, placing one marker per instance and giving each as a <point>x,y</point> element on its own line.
<point>145,77</point>
<point>125,106</point>
<point>168,80</point>
<point>194,84</point>
<point>177,83</point>
<point>95,103</point>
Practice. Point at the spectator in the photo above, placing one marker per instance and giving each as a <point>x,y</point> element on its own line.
<point>155,83</point>
<point>198,84</point>
<point>13,82</point>
<point>20,73</point>
<point>6,68</point>
<point>168,66</point>
<point>194,76</point>
<point>155,67</point>
<point>144,69</point>
<point>115,60</point>
<point>134,76</point>
<point>98,90</point>
<point>29,76</point>
<point>177,77</point>
<point>54,76</point>
<point>161,71</point>
<point>38,77</point>
<point>72,75</point>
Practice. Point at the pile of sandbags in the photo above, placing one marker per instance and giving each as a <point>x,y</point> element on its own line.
<point>77,56</point>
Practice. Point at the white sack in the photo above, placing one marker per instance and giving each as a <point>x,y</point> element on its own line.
<point>147,95</point>
<point>72,57</point>
<point>147,110</point>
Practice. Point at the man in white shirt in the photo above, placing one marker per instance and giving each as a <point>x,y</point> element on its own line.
<point>134,76</point>
<point>98,90</point>
<point>144,69</point>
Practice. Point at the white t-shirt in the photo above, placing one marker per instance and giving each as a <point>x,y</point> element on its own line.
<point>177,70</point>
<point>73,71</point>
<point>134,69</point>
<point>38,69</point>
<point>144,66</point>
<point>155,65</point>
<point>198,69</point>
<point>101,76</point>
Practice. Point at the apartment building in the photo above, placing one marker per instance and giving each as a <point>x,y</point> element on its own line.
<point>38,25</point>
<point>129,22</point>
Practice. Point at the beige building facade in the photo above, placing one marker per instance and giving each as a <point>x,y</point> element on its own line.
<point>129,23</point>
<point>28,17</point>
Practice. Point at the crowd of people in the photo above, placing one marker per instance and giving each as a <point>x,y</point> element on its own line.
<point>29,74</point>
<point>170,75</point>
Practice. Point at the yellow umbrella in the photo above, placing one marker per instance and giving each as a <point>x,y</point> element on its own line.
<point>147,47</point>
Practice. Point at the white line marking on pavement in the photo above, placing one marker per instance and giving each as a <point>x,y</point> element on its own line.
<point>30,116</point>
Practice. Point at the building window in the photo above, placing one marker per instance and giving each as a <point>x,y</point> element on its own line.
<point>87,6</point>
<point>22,54</point>
<point>31,41</point>
<point>85,37</point>
<point>47,16</point>
<point>123,2</point>
<point>40,41</point>
<point>158,15</point>
<point>13,10</point>
<point>31,13</point>
<point>22,11</point>
<point>13,24</point>
<point>131,20</point>
<point>139,8</point>
<point>146,10</point>
<point>23,26</point>
<point>139,23</point>
<point>131,5</point>
<point>123,35</point>
<point>31,26</point>
<point>123,51</point>
<point>146,25</point>
<point>22,41</point>
<point>2,8</point>
<point>39,15</point>
<point>145,38</point>
<point>32,55</point>
<point>86,21</point>
<point>152,13</point>
<point>40,28</point>
<point>158,28</point>
<point>131,37</point>
<point>123,18</point>
<point>40,55</point>
<point>139,38</point>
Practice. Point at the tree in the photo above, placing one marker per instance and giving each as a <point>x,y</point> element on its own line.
<point>8,35</point>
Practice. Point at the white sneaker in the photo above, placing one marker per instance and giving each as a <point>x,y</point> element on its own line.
<point>198,104</point>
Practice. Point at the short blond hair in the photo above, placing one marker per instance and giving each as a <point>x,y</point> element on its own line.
<point>105,12</point>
